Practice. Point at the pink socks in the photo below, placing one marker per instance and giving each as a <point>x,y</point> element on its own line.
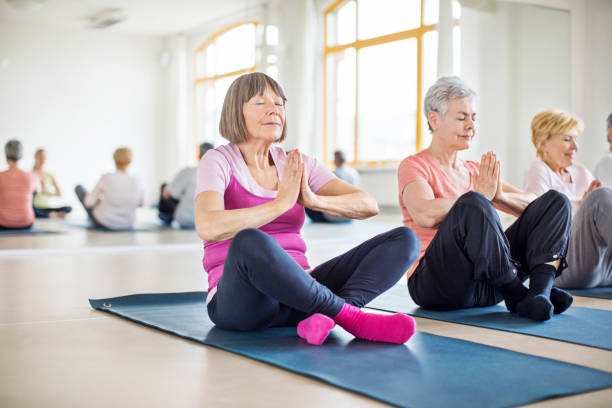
<point>397,328</point>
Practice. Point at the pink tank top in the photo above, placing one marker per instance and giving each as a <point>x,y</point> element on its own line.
<point>284,229</point>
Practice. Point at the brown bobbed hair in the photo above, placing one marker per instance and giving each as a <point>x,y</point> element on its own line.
<point>232,125</point>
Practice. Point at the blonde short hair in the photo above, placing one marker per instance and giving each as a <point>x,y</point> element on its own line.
<point>552,122</point>
<point>232,125</point>
<point>122,156</point>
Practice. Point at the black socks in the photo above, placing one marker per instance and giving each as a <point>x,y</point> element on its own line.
<point>560,299</point>
<point>537,305</point>
<point>513,293</point>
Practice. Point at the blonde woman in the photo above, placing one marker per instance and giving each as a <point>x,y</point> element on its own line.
<point>555,134</point>
<point>113,201</point>
<point>43,201</point>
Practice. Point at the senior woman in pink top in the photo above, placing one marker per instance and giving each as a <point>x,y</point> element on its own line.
<point>554,134</point>
<point>250,200</point>
<point>467,259</point>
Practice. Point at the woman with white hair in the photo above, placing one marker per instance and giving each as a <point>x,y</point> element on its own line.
<point>467,260</point>
<point>16,190</point>
<point>554,134</point>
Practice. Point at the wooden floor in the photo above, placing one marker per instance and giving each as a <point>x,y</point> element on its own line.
<point>55,351</point>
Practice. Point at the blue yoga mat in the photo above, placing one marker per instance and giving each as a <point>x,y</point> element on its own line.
<point>28,231</point>
<point>428,371</point>
<point>580,325</point>
<point>601,293</point>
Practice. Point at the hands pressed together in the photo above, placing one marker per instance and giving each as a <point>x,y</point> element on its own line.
<point>488,180</point>
<point>293,187</point>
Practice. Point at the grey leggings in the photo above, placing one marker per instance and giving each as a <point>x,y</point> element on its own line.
<point>589,256</point>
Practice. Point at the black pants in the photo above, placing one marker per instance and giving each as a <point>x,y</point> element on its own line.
<point>319,216</point>
<point>45,212</point>
<point>262,286</point>
<point>470,256</point>
<point>166,207</point>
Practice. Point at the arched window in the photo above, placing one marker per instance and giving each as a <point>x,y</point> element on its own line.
<point>221,58</point>
<point>380,56</point>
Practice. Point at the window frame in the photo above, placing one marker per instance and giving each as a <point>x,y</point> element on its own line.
<point>416,33</point>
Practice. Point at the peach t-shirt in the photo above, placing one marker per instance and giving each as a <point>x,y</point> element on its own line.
<point>423,167</point>
<point>16,191</point>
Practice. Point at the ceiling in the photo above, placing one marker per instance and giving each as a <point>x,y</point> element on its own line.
<point>152,17</point>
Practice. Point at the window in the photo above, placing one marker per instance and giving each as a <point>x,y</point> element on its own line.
<point>224,56</point>
<point>380,56</point>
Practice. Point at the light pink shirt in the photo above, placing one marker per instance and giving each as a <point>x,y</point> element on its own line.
<point>540,178</point>
<point>115,199</point>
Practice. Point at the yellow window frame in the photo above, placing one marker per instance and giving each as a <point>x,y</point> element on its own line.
<point>357,45</point>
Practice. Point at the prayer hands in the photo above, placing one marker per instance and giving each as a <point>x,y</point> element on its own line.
<point>289,186</point>
<point>488,179</point>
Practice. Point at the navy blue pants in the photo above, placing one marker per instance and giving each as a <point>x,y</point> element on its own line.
<point>470,256</point>
<point>262,286</point>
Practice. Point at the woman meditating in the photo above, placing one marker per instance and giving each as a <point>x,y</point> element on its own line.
<point>555,135</point>
<point>467,260</point>
<point>250,200</point>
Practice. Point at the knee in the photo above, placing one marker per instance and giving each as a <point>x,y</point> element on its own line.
<point>249,240</point>
<point>601,197</point>
<point>410,243</point>
<point>556,204</point>
<point>475,203</point>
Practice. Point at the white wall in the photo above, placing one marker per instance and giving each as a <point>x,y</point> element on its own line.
<point>80,94</point>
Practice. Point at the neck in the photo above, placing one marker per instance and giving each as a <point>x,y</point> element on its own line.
<point>256,153</point>
<point>445,155</point>
<point>121,168</point>
<point>555,168</point>
<point>38,167</point>
<point>12,164</point>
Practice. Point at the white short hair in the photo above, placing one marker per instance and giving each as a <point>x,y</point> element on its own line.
<point>445,88</point>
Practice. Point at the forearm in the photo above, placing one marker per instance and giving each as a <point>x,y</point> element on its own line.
<point>515,201</point>
<point>219,225</point>
<point>432,212</point>
<point>358,205</point>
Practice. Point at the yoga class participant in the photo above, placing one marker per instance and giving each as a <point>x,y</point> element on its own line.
<point>467,260</point>
<point>113,201</point>
<point>250,200</point>
<point>555,135</point>
<point>16,190</point>
<point>43,200</point>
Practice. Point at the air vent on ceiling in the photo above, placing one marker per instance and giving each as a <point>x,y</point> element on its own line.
<point>106,18</point>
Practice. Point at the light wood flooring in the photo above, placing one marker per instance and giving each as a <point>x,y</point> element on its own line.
<point>55,351</point>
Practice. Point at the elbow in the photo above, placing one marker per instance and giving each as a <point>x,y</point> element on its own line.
<point>425,221</point>
<point>370,209</point>
<point>206,232</point>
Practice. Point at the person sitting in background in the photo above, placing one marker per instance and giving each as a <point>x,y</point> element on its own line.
<point>467,259</point>
<point>345,173</point>
<point>43,207</point>
<point>177,198</point>
<point>555,134</point>
<point>603,169</point>
<point>16,190</point>
<point>113,201</point>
